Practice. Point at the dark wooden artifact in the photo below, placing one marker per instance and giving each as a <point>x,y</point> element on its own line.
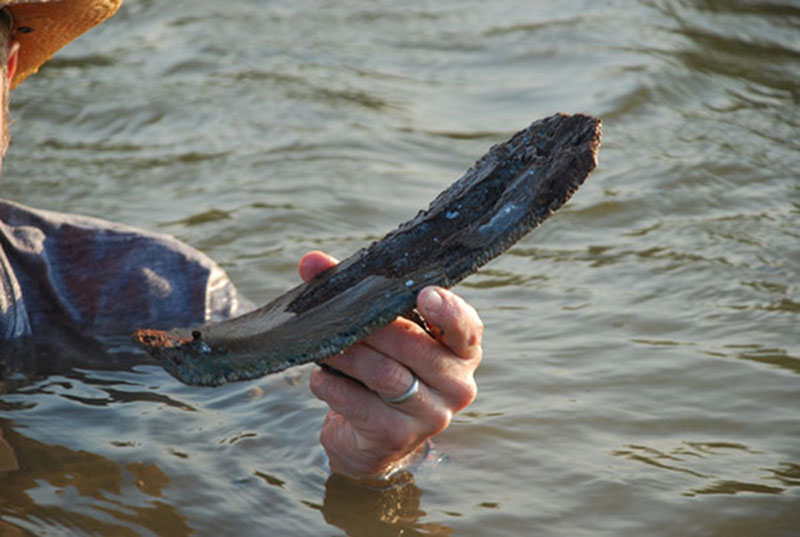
<point>506,194</point>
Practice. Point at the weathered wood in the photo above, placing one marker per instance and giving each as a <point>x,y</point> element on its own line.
<point>507,193</point>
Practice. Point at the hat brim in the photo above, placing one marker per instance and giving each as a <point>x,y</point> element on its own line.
<point>42,27</point>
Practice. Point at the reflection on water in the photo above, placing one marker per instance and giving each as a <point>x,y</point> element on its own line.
<point>77,491</point>
<point>364,511</point>
<point>642,357</point>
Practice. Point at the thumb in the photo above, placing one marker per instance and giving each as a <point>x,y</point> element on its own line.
<point>315,262</point>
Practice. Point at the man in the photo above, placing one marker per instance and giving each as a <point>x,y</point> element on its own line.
<point>67,273</point>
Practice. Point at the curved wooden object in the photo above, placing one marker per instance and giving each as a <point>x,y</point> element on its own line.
<point>507,193</point>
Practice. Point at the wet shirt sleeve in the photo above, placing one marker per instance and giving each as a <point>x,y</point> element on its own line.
<point>101,278</point>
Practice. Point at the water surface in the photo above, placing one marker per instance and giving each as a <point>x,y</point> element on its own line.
<point>642,368</point>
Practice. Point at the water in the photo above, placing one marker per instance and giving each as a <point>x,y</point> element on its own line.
<point>642,369</point>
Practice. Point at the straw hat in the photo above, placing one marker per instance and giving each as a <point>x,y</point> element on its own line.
<point>44,26</point>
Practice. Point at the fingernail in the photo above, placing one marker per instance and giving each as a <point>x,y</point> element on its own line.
<point>430,301</point>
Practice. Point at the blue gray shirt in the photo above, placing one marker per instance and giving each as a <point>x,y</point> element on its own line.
<point>100,278</point>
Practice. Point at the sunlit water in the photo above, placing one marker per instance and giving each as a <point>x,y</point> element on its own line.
<point>642,369</point>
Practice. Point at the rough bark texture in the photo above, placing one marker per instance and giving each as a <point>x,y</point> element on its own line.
<point>507,193</point>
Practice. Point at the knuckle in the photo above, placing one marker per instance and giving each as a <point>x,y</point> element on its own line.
<point>464,393</point>
<point>438,420</point>
<point>476,334</point>
<point>479,326</point>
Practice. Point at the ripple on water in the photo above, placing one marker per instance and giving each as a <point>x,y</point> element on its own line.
<point>641,356</point>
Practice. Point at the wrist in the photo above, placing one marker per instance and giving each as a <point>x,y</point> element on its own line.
<point>394,473</point>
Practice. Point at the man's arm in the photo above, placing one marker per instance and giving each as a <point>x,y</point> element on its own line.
<point>363,435</point>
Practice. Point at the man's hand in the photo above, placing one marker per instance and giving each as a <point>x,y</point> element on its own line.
<point>366,437</point>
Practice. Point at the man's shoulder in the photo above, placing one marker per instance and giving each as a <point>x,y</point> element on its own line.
<point>54,223</point>
<point>107,277</point>
<point>90,234</point>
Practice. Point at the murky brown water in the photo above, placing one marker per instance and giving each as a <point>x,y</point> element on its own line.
<point>642,370</point>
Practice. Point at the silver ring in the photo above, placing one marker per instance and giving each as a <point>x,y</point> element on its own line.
<point>410,392</point>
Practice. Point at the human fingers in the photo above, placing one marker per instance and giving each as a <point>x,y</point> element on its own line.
<point>347,397</point>
<point>379,374</point>
<point>446,366</point>
<point>389,380</point>
<point>362,438</point>
<point>393,431</point>
<point>315,262</point>
<point>453,321</point>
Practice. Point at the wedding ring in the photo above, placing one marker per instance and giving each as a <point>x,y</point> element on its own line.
<point>409,393</point>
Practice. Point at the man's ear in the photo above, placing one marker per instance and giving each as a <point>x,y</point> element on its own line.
<point>13,57</point>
